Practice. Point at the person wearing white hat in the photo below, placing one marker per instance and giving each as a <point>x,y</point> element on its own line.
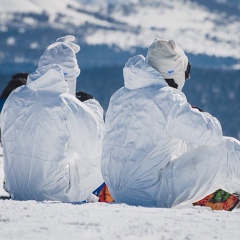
<point>52,142</point>
<point>159,151</point>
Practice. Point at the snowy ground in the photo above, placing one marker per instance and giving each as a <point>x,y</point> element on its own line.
<point>33,220</point>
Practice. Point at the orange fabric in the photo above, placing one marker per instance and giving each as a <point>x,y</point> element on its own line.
<point>227,204</point>
<point>105,196</point>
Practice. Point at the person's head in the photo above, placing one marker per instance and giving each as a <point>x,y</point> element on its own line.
<point>170,60</point>
<point>62,54</point>
<point>16,80</point>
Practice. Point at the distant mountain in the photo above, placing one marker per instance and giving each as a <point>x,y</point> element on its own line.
<point>111,31</point>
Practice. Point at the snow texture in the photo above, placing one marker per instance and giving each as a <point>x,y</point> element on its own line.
<point>24,220</point>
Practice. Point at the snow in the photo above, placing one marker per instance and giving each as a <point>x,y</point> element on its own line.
<point>54,220</point>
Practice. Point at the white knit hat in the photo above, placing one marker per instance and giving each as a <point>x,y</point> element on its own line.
<point>168,59</point>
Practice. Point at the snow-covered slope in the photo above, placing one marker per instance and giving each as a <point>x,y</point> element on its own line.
<point>27,26</point>
<point>54,220</point>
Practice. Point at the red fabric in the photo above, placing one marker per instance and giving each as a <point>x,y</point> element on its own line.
<point>105,196</point>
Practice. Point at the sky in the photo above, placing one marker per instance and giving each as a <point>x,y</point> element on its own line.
<point>31,220</point>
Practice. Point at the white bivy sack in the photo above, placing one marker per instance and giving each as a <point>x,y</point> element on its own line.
<point>52,142</point>
<point>158,151</point>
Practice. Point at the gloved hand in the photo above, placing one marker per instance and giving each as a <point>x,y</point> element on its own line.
<point>68,39</point>
<point>83,96</point>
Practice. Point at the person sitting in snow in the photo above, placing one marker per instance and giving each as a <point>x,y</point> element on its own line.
<point>16,80</point>
<point>52,142</point>
<point>159,151</point>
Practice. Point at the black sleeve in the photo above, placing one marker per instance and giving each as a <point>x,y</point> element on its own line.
<point>83,96</point>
